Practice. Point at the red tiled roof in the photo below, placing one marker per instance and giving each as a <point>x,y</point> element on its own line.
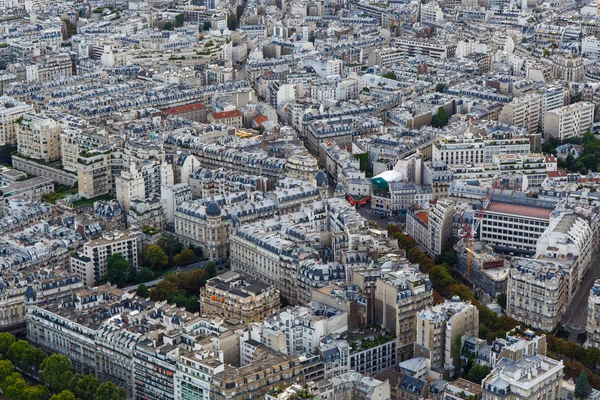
<point>551,159</point>
<point>423,216</point>
<point>227,114</point>
<point>514,209</point>
<point>183,109</point>
<point>557,174</point>
<point>260,119</point>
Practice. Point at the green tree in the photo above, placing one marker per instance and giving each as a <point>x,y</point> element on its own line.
<point>592,355</point>
<point>162,290</point>
<point>440,87</point>
<point>108,391</point>
<point>559,346</point>
<point>144,275</point>
<point>440,119</point>
<point>118,269</point>
<point>501,299</point>
<point>196,279</point>
<point>390,75</point>
<point>232,22</point>
<point>211,270</point>
<point>546,53</point>
<point>179,20</point>
<point>142,290</point>
<point>206,26</point>
<point>582,387</point>
<point>6,369</point>
<point>168,26</point>
<point>25,357</point>
<point>570,349</point>
<point>457,350</point>
<point>56,372</point>
<point>37,392</point>
<point>64,395</point>
<point>156,257</point>
<point>84,386</point>
<point>478,373</point>
<point>239,10</point>
<point>197,251</point>
<point>177,260</point>
<point>187,257</point>
<point>6,339</point>
<point>13,386</point>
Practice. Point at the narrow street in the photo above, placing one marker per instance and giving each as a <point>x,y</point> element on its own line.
<point>575,318</point>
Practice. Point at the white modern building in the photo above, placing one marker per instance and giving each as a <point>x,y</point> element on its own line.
<point>569,121</point>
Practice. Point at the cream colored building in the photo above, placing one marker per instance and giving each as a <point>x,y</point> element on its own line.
<point>130,186</point>
<point>399,295</point>
<point>569,121</point>
<point>11,112</point>
<point>39,137</point>
<point>531,377</point>
<point>439,326</point>
<point>94,174</point>
<point>523,112</point>
<point>536,293</point>
<point>90,263</point>
<point>236,295</point>
<point>592,327</point>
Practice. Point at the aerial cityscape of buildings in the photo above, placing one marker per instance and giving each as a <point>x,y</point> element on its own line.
<point>276,199</point>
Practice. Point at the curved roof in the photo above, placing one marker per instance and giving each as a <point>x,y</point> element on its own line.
<point>213,209</point>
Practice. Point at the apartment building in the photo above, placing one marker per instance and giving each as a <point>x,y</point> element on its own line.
<point>461,388</point>
<point>529,377</point>
<point>38,286</point>
<point>269,369</point>
<point>372,352</point>
<point>568,241</point>
<point>568,68</point>
<point>399,295</point>
<point>339,130</point>
<point>11,112</point>
<point>74,141</point>
<point>56,325</point>
<point>31,189</point>
<point>553,97</point>
<point>208,225</point>
<point>229,118</point>
<point>516,344</point>
<point>414,47</point>
<point>569,121</point>
<point>515,223</point>
<point>536,293</point>
<point>236,295</point>
<point>431,12</point>
<point>385,58</point>
<point>174,196</point>
<point>439,326</point>
<point>590,47</point>
<point>592,327</point>
<point>38,137</point>
<point>155,366</point>
<point>130,186</point>
<point>524,112</point>
<point>90,262</point>
<point>94,173</point>
<point>489,270</point>
<point>476,148</point>
<point>417,225</point>
<point>194,374</point>
<point>441,213</point>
